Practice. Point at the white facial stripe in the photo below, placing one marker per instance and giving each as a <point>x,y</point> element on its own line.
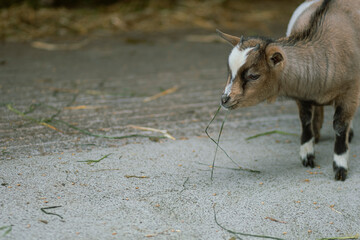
<point>237,59</point>
<point>228,88</point>
<point>307,149</point>
<point>342,160</point>
<point>299,10</point>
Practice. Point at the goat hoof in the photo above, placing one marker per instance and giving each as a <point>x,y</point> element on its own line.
<point>340,173</point>
<point>351,135</point>
<point>309,161</point>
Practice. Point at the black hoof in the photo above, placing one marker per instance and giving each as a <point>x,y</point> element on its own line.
<point>351,135</point>
<point>309,161</point>
<point>340,173</point>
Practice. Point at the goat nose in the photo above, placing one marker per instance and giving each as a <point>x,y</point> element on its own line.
<point>224,98</point>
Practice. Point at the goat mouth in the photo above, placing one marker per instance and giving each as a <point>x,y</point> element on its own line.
<point>229,107</point>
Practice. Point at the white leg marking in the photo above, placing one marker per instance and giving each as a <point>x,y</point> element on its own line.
<point>342,160</point>
<point>299,10</point>
<point>307,149</point>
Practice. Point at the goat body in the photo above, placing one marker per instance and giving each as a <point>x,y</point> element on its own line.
<point>317,64</point>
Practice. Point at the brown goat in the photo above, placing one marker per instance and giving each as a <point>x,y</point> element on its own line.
<point>317,64</point>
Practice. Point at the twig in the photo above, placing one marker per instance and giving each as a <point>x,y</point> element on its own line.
<point>165,132</point>
<point>335,238</point>
<point>235,169</point>
<point>49,213</point>
<point>187,179</point>
<point>163,93</point>
<point>134,176</point>
<point>269,133</point>
<point>332,208</point>
<point>240,233</point>
<point>96,161</point>
<point>275,220</point>
<point>8,230</point>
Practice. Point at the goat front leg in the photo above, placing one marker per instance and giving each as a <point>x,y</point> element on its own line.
<point>341,124</point>
<point>307,154</point>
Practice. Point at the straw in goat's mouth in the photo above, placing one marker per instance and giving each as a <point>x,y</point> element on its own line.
<point>218,142</point>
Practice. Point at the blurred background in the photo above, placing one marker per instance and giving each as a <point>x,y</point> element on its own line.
<point>93,65</point>
<point>23,20</point>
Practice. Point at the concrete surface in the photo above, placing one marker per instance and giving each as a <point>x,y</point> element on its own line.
<point>111,76</point>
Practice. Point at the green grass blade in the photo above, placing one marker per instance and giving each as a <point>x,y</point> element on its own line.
<point>96,161</point>
<point>208,135</point>
<point>217,146</point>
<point>340,238</point>
<point>50,213</point>
<point>240,233</point>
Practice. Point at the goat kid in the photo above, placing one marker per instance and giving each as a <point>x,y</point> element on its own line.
<point>316,64</point>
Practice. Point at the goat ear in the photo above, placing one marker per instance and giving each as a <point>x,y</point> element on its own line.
<point>231,39</point>
<point>274,55</point>
<point>276,58</point>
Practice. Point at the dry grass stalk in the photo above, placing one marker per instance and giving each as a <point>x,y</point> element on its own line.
<point>161,94</point>
<point>164,132</point>
<point>58,47</point>
<point>80,107</point>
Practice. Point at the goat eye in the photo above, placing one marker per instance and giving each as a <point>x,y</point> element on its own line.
<point>253,76</point>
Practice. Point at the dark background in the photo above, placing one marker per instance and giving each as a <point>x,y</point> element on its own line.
<point>27,20</point>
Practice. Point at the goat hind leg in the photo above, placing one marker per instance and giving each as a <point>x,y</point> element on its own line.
<point>351,132</point>
<point>307,154</point>
<point>317,122</point>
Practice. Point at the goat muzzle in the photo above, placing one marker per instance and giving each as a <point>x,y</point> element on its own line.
<point>224,99</point>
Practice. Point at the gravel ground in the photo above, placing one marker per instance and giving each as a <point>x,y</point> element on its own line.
<point>157,188</point>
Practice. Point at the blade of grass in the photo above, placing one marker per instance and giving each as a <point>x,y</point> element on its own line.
<point>217,146</point>
<point>240,233</point>
<point>50,213</point>
<point>45,122</point>
<point>86,132</point>
<point>339,238</point>
<point>11,108</point>
<point>269,133</point>
<point>8,230</point>
<point>235,169</point>
<point>208,135</point>
<point>96,161</point>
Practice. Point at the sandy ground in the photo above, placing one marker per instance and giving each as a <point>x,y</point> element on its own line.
<point>161,190</point>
